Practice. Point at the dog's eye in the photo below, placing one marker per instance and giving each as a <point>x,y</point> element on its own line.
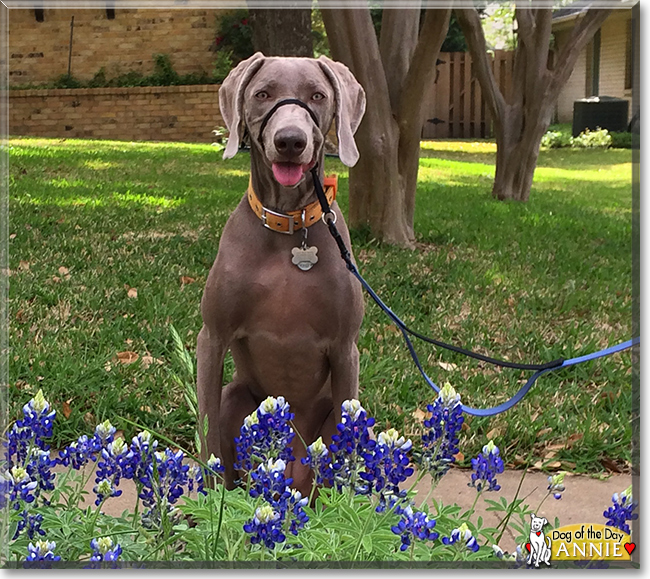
<point>317,96</point>
<point>262,95</point>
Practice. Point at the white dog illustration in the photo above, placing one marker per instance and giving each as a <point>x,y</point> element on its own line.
<point>540,545</point>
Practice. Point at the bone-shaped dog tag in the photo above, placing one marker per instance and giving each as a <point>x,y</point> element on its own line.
<point>304,257</point>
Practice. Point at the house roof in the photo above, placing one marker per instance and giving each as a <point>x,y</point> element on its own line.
<point>572,9</point>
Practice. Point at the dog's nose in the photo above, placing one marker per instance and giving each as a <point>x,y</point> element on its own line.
<point>290,142</point>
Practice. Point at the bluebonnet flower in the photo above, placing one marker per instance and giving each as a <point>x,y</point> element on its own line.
<point>462,533</point>
<point>268,482</point>
<point>214,465</point>
<point>486,466</point>
<point>139,457</point>
<point>413,524</point>
<point>78,454</point>
<point>110,467</point>
<point>164,480</point>
<point>440,441</point>
<point>294,510</point>
<point>387,466</point>
<point>28,434</point>
<point>266,434</point>
<point>105,489</point>
<point>622,511</point>
<point>556,485</point>
<point>351,446</point>
<point>319,461</point>
<point>266,527</point>
<point>16,485</point>
<point>104,549</point>
<point>42,551</point>
<point>30,522</point>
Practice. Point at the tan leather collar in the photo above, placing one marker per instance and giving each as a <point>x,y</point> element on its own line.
<point>292,221</point>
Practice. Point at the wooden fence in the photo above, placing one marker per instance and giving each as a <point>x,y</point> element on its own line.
<point>456,109</point>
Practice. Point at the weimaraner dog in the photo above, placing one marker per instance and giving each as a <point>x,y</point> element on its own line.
<point>292,330</point>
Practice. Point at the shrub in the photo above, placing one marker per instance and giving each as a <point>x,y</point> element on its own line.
<point>235,36</point>
<point>621,140</point>
<point>600,138</point>
<point>556,140</point>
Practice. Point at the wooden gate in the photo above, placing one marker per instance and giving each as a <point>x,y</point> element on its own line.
<point>456,108</point>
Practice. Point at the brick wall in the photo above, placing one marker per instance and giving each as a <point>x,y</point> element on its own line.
<point>38,51</point>
<point>171,113</point>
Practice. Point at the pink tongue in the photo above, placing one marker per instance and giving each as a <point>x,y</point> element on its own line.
<point>287,174</point>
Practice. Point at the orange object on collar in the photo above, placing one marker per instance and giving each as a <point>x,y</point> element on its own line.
<point>290,222</point>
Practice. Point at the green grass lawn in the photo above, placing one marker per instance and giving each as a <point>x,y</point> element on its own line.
<point>112,242</point>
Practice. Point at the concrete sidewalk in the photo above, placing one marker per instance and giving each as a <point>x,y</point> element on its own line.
<point>583,501</point>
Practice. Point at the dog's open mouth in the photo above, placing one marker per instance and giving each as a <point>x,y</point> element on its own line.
<point>288,174</point>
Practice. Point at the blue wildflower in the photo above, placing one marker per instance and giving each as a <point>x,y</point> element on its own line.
<point>388,466</point>
<point>462,533</point>
<point>172,476</point>
<point>42,551</point>
<point>265,527</point>
<point>318,459</point>
<point>266,434</point>
<point>77,454</point>
<point>30,522</point>
<point>413,524</point>
<point>556,485</point>
<point>440,441</point>
<point>105,489</point>
<point>268,481</point>
<point>622,511</point>
<point>28,434</point>
<point>351,446</point>
<point>486,466</point>
<point>104,549</point>
<point>16,485</point>
<point>111,466</point>
<point>294,510</point>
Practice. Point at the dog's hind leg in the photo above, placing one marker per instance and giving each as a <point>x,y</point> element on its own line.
<point>237,402</point>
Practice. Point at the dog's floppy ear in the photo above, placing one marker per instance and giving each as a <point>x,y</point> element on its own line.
<point>350,106</point>
<point>545,522</point>
<point>231,99</point>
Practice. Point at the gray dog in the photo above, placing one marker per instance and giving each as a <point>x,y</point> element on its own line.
<point>291,322</point>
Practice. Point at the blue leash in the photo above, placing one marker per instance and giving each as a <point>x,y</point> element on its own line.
<point>541,369</point>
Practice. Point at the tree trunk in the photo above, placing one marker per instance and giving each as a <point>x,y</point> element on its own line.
<point>376,192</point>
<point>396,80</point>
<point>282,32</point>
<point>522,117</point>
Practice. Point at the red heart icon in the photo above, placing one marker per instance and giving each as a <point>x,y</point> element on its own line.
<point>629,547</point>
<point>539,533</point>
<point>528,547</point>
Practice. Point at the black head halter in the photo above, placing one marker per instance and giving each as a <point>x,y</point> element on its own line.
<point>279,104</point>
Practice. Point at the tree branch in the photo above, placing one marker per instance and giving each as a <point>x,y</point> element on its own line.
<point>421,72</point>
<point>582,33</point>
<point>399,36</point>
<point>470,23</point>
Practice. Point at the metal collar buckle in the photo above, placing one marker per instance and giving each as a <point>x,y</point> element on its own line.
<point>292,221</point>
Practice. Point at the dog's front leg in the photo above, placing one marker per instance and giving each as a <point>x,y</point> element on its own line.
<point>210,355</point>
<point>344,368</point>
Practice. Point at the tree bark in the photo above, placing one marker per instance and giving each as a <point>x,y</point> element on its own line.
<point>395,78</point>
<point>282,32</point>
<point>522,117</point>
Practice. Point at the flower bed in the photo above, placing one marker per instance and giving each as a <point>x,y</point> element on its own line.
<point>357,509</point>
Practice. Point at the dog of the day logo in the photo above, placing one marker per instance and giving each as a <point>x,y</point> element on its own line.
<point>578,542</point>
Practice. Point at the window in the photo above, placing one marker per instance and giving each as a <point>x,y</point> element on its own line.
<point>39,14</point>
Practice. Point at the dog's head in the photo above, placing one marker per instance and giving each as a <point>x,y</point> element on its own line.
<point>537,523</point>
<point>292,139</point>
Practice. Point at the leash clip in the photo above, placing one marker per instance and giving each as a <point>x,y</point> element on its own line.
<point>329,220</point>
